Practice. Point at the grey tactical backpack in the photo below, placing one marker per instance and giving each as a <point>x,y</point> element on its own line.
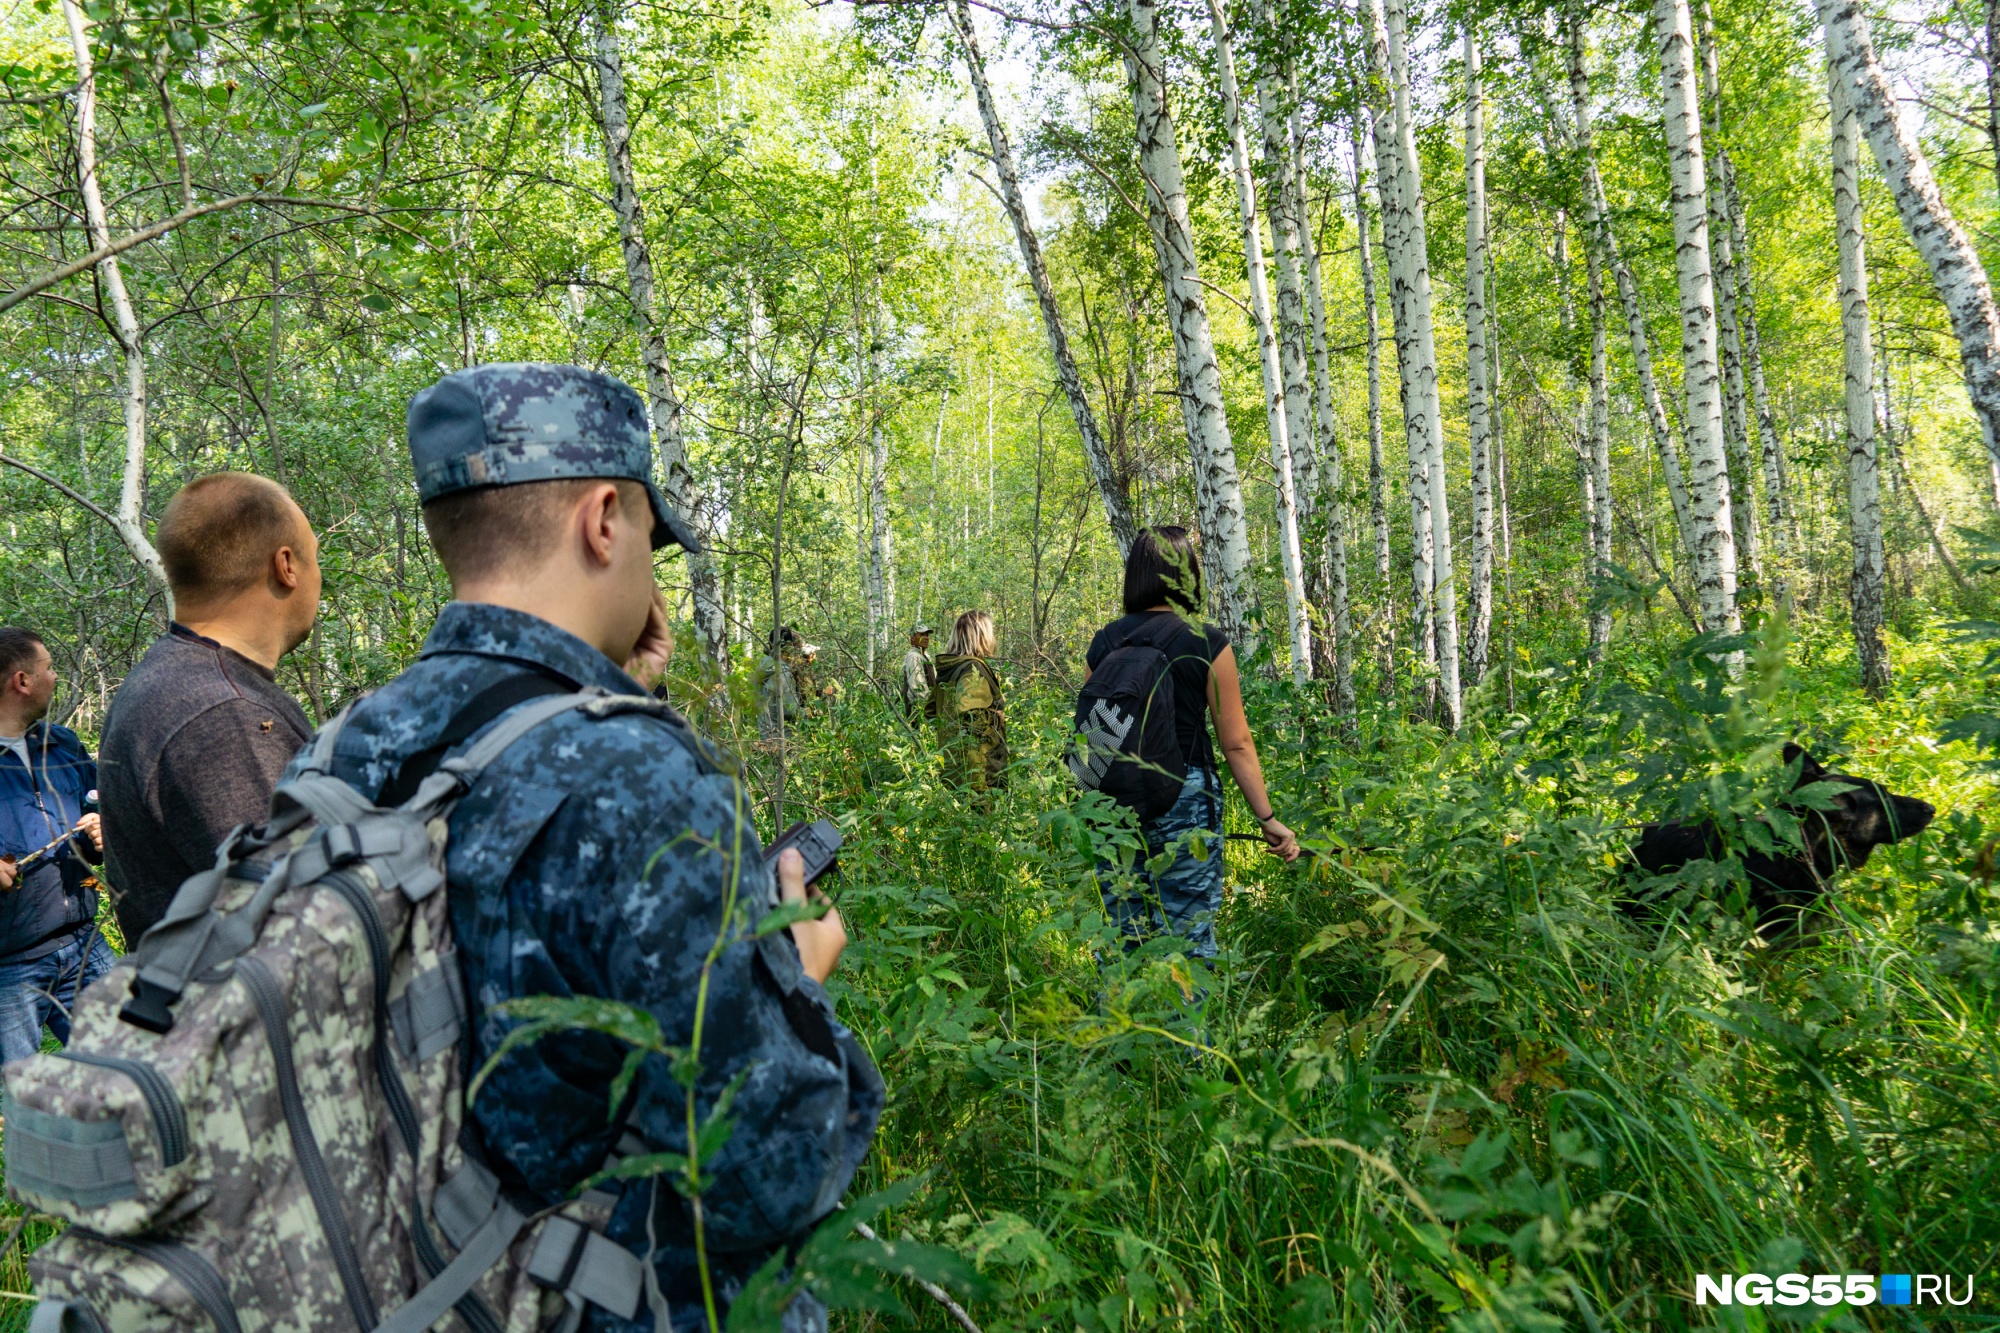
<point>256,1123</point>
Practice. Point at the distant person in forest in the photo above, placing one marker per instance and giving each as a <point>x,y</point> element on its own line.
<point>49,945</point>
<point>200,730</point>
<point>1163,600</point>
<point>778,684</point>
<point>919,675</point>
<point>971,716</point>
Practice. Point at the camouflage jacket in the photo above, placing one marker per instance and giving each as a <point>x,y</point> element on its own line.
<point>595,858</point>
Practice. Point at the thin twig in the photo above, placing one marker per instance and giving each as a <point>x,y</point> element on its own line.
<point>939,1294</point>
<point>37,472</point>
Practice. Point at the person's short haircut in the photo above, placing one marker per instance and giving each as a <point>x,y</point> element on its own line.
<point>1164,568</point>
<point>17,649</point>
<point>972,636</point>
<point>220,532</point>
<point>482,533</point>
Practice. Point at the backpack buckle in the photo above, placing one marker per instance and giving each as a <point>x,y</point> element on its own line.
<point>343,845</point>
<point>151,1006</point>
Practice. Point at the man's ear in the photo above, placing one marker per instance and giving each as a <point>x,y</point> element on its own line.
<point>285,567</point>
<point>597,518</point>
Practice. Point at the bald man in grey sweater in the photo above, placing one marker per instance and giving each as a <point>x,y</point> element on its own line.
<point>200,731</point>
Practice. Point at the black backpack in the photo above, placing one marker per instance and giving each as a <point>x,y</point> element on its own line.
<point>1124,741</point>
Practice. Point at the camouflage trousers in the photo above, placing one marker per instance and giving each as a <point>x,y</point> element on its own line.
<point>1183,898</point>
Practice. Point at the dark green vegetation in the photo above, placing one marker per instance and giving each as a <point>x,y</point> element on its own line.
<point>1441,1079</point>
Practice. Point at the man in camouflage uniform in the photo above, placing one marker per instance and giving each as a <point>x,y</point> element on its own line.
<point>610,857</point>
<point>919,675</point>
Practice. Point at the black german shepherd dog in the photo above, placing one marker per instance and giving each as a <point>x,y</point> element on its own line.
<point>1784,889</point>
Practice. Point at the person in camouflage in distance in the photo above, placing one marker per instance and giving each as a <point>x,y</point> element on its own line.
<point>919,675</point>
<point>611,857</point>
<point>971,715</point>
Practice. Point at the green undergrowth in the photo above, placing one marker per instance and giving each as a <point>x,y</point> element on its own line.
<point>1439,1080</point>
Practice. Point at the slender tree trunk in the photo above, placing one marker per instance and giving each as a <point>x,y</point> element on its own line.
<point>1328,529</point>
<point>676,480</point>
<point>1378,508</point>
<point>1219,492</point>
<point>1423,419</point>
<point>1599,467</point>
<point>1278,414</point>
<point>1701,380</point>
<point>1637,337</point>
<point>1281,206</point>
<point>1864,487</point>
<point>128,521</point>
<point>1478,389</point>
<point>1992,62</point>
<point>1110,486</point>
<point>1956,271</point>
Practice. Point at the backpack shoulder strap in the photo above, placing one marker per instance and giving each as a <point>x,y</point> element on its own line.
<point>1149,633</point>
<point>471,718</point>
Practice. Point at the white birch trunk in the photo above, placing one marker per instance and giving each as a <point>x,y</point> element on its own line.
<point>1378,507</point>
<point>1117,512</point>
<point>1478,387</point>
<point>1701,379</point>
<point>1218,489</point>
<point>1864,487</point>
<point>1279,418</point>
<point>1600,446</point>
<point>128,520</point>
<point>1637,337</point>
<point>1395,246</point>
<point>1281,206</point>
<point>1954,265</point>
<point>676,480</point>
<point>1410,282</point>
<point>1732,269</point>
<point>1329,517</point>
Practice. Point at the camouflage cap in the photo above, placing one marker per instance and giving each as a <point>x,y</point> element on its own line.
<point>514,422</point>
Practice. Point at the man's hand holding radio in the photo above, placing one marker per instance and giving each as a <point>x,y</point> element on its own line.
<point>819,941</point>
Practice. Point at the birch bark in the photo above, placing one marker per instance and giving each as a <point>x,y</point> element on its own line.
<point>1110,487</point>
<point>1737,314</point>
<point>1410,281</point>
<point>1478,390</point>
<point>1709,509</point>
<point>1864,486</point>
<point>1328,528</point>
<point>676,480</point>
<point>1600,446</point>
<point>1281,206</point>
<point>1278,414</point>
<point>1955,267</point>
<point>1637,337</point>
<point>1218,489</point>
<point>128,521</point>
<point>1378,509</point>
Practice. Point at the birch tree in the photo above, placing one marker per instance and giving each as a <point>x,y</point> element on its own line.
<point>1416,345</point>
<point>1599,462</point>
<point>1281,206</point>
<point>1478,390</point>
<point>1864,487</point>
<point>1110,487</point>
<point>676,479</point>
<point>1638,339</point>
<point>1955,267</point>
<point>1218,489</point>
<point>1278,414</point>
<point>128,519</point>
<point>1328,526</point>
<point>1714,551</point>
<point>1378,507</point>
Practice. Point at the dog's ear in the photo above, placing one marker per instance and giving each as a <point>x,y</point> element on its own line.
<point>1811,770</point>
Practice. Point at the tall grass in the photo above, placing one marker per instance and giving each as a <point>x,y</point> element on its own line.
<point>1439,1078</point>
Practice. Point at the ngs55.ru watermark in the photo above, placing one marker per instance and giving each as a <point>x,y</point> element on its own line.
<point>1832,1289</point>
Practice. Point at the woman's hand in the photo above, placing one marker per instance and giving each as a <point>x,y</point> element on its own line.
<point>819,942</point>
<point>1282,841</point>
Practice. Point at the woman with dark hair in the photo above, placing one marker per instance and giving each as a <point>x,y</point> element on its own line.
<point>1163,609</point>
<point>971,718</point>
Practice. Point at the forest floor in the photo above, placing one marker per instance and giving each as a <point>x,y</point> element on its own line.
<point>1438,1079</point>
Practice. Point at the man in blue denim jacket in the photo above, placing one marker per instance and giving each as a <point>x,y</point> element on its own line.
<point>611,857</point>
<point>49,945</point>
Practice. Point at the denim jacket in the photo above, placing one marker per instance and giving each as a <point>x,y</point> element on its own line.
<point>40,801</point>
